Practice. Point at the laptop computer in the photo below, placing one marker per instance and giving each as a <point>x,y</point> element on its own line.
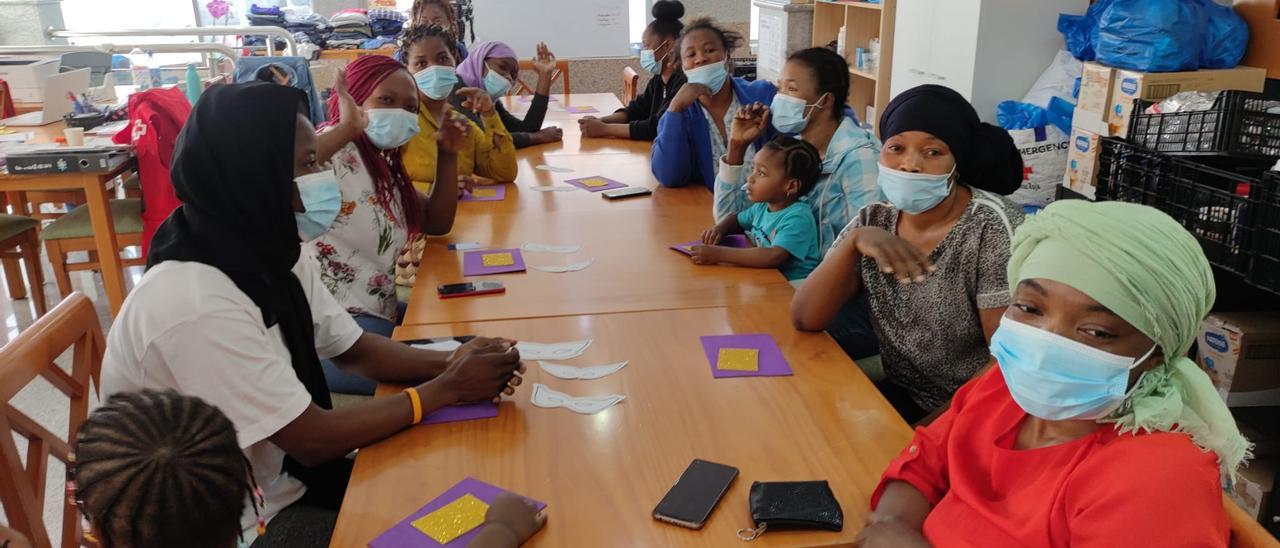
<point>56,102</point>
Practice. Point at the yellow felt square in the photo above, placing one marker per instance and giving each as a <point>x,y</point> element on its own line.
<point>738,359</point>
<point>485,193</point>
<point>594,182</point>
<point>498,259</point>
<point>453,520</point>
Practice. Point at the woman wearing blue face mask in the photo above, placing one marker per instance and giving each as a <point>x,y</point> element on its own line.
<point>639,120</point>
<point>380,209</point>
<point>231,311</point>
<point>695,131</point>
<point>492,66</point>
<point>1095,429</point>
<point>930,260</point>
<point>811,102</point>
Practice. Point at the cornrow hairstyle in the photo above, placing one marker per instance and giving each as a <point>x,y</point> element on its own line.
<point>831,72</point>
<point>417,33</point>
<point>730,39</point>
<point>801,160</point>
<point>666,19</point>
<point>445,5</point>
<point>161,469</point>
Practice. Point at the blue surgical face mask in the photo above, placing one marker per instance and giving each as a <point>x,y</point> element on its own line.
<point>914,192</point>
<point>496,84</point>
<point>391,127</point>
<point>322,199</point>
<point>649,60</point>
<point>713,76</point>
<point>1055,378</point>
<point>788,113</point>
<point>436,82</point>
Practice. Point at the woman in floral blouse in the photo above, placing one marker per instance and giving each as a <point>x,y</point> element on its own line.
<point>380,210</point>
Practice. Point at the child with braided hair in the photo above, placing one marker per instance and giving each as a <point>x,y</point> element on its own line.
<point>782,230</point>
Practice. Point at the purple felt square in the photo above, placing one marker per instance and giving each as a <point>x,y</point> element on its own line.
<point>611,184</point>
<point>732,240</point>
<point>473,263</point>
<point>501,194</point>
<point>581,110</point>
<point>456,413</point>
<point>404,534</point>
<point>771,363</point>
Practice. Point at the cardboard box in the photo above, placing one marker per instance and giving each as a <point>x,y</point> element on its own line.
<point>1095,89</point>
<point>1157,86</point>
<point>1253,489</point>
<point>1082,162</point>
<point>1241,352</point>
<point>1264,26</point>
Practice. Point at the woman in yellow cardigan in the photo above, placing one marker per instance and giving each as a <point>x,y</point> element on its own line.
<point>430,53</point>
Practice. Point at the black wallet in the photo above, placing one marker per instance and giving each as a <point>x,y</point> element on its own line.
<point>793,505</point>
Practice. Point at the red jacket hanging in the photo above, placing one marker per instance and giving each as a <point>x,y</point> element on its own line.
<point>156,117</point>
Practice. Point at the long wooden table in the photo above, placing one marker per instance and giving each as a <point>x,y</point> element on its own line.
<point>602,474</point>
<point>642,302</point>
<point>95,186</point>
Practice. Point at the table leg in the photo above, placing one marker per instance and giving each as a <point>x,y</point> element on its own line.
<point>104,235</point>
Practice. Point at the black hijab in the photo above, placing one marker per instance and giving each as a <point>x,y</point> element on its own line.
<point>986,156</point>
<point>233,171</point>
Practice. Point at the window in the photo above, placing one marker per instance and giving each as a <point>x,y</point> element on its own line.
<point>132,14</point>
<point>639,15</point>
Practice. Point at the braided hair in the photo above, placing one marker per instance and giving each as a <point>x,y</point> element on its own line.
<point>161,469</point>
<point>801,160</point>
<point>415,14</point>
<point>419,32</point>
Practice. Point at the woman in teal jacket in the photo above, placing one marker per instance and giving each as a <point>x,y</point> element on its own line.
<point>695,131</point>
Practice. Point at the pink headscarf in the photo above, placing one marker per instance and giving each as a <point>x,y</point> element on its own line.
<point>471,71</point>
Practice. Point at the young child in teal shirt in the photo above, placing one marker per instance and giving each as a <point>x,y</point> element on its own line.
<point>782,231</point>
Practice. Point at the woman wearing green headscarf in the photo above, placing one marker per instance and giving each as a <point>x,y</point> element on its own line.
<point>1095,429</point>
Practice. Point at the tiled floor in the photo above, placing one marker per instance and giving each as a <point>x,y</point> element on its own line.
<point>40,400</point>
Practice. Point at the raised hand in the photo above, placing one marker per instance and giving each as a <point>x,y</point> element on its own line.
<point>453,132</point>
<point>544,62</point>
<point>352,116</point>
<point>749,123</point>
<point>477,100</point>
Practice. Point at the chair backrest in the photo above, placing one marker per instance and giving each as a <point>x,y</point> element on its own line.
<point>630,84</point>
<point>562,71</point>
<point>72,325</point>
<point>7,109</point>
<point>1246,532</point>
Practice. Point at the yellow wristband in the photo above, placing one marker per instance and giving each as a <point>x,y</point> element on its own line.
<point>417,404</point>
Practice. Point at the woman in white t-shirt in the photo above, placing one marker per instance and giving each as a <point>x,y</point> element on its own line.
<point>226,312</point>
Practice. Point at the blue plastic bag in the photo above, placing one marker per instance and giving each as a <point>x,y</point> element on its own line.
<point>1019,115</point>
<point>1225,39</point>
<point>1151,35</point>
<point>1080,32</point>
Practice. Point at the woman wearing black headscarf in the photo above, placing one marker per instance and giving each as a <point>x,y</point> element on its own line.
<point>226,312</point>
<point>932,259</point>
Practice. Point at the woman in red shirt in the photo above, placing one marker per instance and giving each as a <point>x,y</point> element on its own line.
<point>1095,429</point>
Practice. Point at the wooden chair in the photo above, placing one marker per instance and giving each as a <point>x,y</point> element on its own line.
<point>74,232</point>
<point>562,71</point>
<point>630,85</point>
<point>1246,532</point>
<point>19,242</point>
<point>73,324</point>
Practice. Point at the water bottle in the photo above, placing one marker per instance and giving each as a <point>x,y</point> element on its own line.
<point>141,77</point>
<point>157,80</point>
<point>194,85</point>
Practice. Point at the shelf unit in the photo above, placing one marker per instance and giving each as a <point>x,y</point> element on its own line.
<point>862,22</point>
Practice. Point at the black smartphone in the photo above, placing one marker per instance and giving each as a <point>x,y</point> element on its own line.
<point>693,497</point>
<point>449,291</point>
<point>628,192</point>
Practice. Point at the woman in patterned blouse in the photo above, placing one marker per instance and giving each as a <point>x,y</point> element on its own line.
<point>932,260</point>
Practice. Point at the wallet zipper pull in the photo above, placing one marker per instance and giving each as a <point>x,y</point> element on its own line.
<point>748,534</point>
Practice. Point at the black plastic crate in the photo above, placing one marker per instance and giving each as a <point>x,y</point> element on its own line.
<point>1266,258</point>
<point>1241,124</point>
<point>1219,207</point>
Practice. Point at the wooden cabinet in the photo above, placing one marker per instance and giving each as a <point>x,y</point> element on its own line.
<point>861,21</point>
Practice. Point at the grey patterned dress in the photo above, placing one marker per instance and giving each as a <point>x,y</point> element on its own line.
<point>931,338</point>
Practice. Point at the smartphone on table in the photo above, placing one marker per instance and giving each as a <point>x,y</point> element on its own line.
<point>690,501</point>
<point>467,289</point>
<point>627,192</point>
